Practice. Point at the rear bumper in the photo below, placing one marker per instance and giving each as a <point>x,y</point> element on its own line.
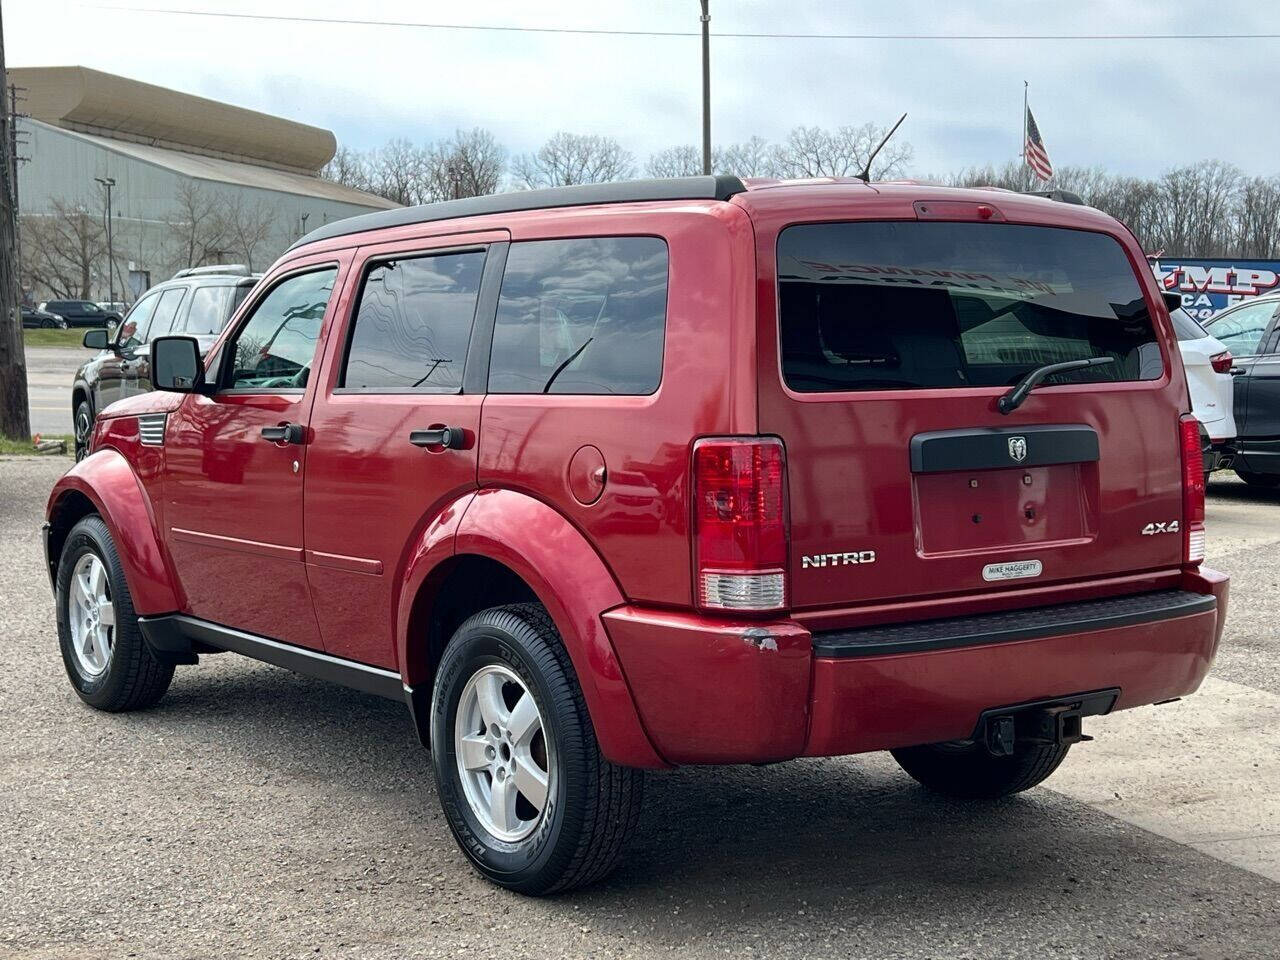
<point>711,691</point>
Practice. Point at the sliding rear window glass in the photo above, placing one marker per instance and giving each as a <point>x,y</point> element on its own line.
<point>910,305</point>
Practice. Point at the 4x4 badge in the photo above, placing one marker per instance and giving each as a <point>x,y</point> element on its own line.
<point>1018,449</point>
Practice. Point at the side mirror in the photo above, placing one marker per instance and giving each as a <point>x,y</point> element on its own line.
<point>96,339</point>
<point>175,364</point>
<point>1173,301</point>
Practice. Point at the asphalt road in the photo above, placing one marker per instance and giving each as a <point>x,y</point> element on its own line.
<point>50,371</point>
<point>256,813</point>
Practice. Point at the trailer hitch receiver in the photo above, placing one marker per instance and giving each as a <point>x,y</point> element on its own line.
<point>1041,722</point>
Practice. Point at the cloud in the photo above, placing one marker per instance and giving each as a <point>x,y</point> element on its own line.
<point>1136,107</point>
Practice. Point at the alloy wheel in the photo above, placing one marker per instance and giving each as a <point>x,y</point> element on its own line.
<point>504,754</point>
<point>91,615</point>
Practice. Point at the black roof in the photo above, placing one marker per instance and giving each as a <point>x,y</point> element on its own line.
<point>628,191</point>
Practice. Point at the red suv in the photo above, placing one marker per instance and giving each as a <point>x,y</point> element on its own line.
<point>607,478</point>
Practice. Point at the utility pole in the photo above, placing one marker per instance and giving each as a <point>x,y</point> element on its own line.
<point>15,417</point>
<point>706,88</point>
<point>108,182</point>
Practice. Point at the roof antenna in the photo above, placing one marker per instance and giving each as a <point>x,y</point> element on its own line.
<point>865,175</point>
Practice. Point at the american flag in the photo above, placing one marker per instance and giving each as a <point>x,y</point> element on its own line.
<point>1034,150</point>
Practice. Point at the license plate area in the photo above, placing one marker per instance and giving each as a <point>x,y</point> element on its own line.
<point>987,489</point>
<point>981,510</point>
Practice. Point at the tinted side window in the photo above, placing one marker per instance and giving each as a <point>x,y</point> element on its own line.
<point>209,310</point>
<point>166,311</point>
<point>581,316</point>
<point>1242,330</point>
<point>413,323</point>
<point>138,319</point>
<point>275,348</point>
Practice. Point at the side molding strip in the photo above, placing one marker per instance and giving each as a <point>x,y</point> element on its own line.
<point>174,634</point>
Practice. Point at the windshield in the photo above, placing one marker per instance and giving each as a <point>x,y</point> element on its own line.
<point>910,305</point>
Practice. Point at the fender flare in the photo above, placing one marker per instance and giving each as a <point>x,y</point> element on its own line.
<point>569,579</point>
<point>107,480</point>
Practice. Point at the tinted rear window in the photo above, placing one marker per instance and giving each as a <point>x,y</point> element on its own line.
<point>908,305</point>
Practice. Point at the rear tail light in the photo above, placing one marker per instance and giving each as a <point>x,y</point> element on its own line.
<point>1192,490</point>
<point>1222,362</point>
<point>740,523</point>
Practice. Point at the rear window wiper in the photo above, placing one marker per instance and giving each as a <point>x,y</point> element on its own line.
<point>1012,400</point>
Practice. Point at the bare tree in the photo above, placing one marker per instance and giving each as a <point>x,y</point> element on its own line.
<point>1256,221</point>
<point>63,251</point>
<point>750,158</point>
<point>843,152</point>
<point>572,158</point>
<point>347,167</point>
<point>468,164</point>
<point>248,228</point>
<point>684,161</point>
<point>398,172</point>
<point>1193,208</point>
<point>198,227</point>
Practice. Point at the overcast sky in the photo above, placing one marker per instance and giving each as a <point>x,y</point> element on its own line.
<point>1136,107</point>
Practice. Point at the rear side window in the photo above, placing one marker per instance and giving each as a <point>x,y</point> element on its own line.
<point>413,323</point>
<point>581,316</point>
<point>1186,328</point>
<point>909,305</point>
<point>210,308</point>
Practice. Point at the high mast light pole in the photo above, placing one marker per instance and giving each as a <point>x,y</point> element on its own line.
<point>706,88</point>
<point>108,182</point>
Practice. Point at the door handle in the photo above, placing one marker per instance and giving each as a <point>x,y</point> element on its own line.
<point>452,438</point>
<point>1236,371</point>
<point>284,433</point>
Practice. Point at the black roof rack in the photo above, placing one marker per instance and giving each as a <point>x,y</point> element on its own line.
<point>628,191</point>
<point>1062,196</point>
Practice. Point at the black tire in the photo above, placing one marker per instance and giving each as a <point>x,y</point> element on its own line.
<point>133,678</point>
<point>1266,481</point>
<point>83,424</point>
<point>592,806</point>
<point>47,324</point>
<point>969,771</point>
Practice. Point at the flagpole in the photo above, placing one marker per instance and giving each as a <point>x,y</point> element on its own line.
<point>1025,93</point>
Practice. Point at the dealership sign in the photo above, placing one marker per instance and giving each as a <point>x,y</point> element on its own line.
<point>1208,286</point>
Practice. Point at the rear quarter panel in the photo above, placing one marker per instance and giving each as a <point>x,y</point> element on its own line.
<point>640,524</point>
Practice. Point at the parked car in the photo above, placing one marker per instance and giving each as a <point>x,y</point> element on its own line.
<point>615,477</point>
<point>81,313</point>
<point>1251,331</point>
<point>1208,364</point>
<point>33,317</point>
<point>196,302</point>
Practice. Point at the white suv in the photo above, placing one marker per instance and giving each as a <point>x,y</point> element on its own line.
<point>1208,364</point>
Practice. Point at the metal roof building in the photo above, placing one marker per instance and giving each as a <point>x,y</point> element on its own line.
<point>195,181</point>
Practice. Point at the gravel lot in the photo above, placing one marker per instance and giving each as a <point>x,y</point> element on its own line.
<point>256,813</point>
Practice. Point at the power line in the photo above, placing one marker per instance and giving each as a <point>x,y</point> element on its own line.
<point>588,31</point>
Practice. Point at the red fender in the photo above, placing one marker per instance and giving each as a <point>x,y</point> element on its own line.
<point>108,480</point>
<point>574,585</point>
<point>434,547</point>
